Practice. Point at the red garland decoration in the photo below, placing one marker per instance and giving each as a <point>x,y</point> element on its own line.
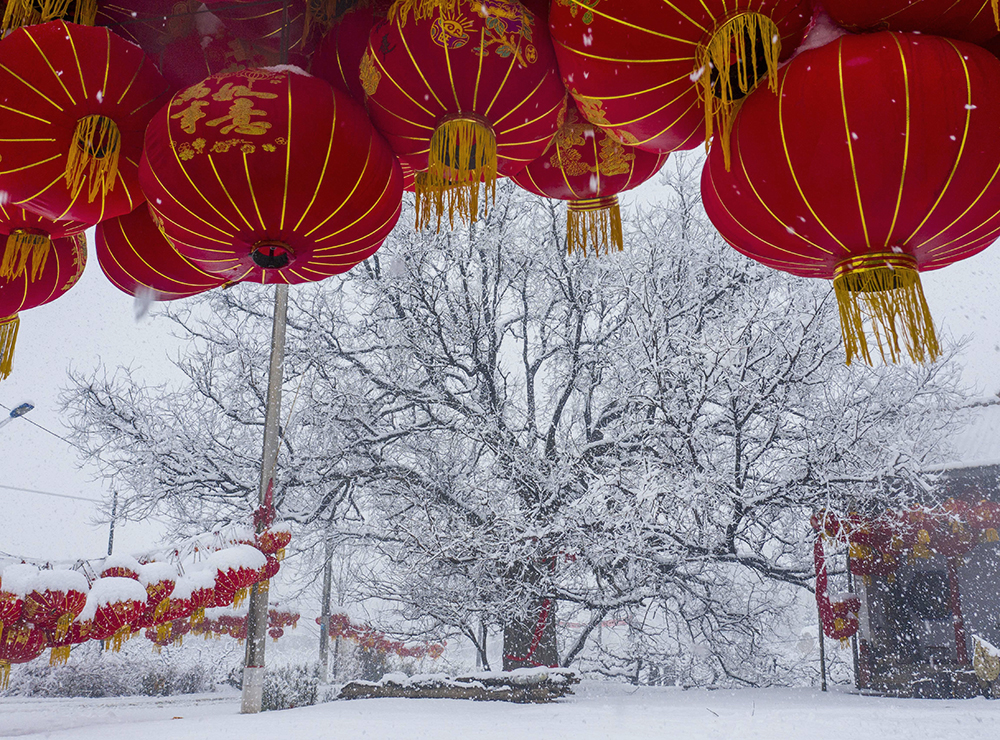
<point>536,638</point>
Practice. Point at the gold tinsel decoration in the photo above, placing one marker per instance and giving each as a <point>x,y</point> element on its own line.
<point>20,13</point>
<point>596,223</point>
<point>93,155</point>
<point>734,42</point>
<point>885,290</point>
<point>419,9</point>
<point>463,156</point>
<point>8,338</point>
<point>21,247</point>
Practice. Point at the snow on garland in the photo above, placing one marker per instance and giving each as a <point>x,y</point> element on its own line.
<point>60,608</point>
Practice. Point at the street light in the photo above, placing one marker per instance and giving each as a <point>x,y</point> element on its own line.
<point>17,412</point>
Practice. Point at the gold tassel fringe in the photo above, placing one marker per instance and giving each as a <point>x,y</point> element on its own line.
<point>737,38</point>
<point>59,655</point>
<point>240,597</point>
<point>62,626</point>
<point>597,223</point>
<point>198,616</point>
<point>4,674</point>
<point>94,155</point>
<point>463,155</point>
<point>419,9</point>
<point>21,246</point>
<point>888,287</point>
<point>8,338</point>
<point>20,13</point>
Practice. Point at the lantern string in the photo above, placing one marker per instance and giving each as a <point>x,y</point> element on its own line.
<point>595,222</point>
<point>728,68</point>
<point>885,290</point>
<point>22,246</point>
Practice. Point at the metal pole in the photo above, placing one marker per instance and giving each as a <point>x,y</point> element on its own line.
<point>822,654</point>
<point>324,613</point>
<point>253,665</point>
<point>114,515</point>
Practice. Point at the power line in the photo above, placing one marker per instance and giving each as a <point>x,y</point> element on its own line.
<point>50,493</point>
<point>49,431</point>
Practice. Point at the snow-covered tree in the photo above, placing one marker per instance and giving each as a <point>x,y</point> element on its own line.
<point>517,433</point>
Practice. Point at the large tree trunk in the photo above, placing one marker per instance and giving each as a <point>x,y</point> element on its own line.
<point>531,642</point>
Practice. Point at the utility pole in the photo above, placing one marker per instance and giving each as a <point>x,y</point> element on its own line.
<point>324,613</point>
<point>253,664</point>
<point>114,515</point>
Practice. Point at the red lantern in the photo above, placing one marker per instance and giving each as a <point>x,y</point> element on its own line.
<point>664,76</point>
<point>136,258</point>
<point>985,518</point>
<point>76,633</point>
<point>16,582</point>
<point>838,617</point>
<point>159,580</point>
<point>274,539</point>
<point>237,568</point>
<point>114,604</point>
<point>29,239</point>
<point>888,166</point>
<point>270,177</point>
<point>150,24</point>
<point>467,92</point>
<point>120,566</point>
<point>19,644</point>
<point>338,55</point>
<point>62,269</point>
<point>588,167</point>
<point>56,599</point>
<point>70,143</point>
<point>968,20</point>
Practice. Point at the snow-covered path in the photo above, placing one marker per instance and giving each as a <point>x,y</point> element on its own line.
<point>597,711</point>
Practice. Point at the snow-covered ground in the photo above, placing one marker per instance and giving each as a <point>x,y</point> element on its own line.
<point>597,711</point>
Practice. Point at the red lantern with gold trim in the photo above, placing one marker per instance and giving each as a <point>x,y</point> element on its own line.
<point>120,566</point>
<point>75,103</point>
<point>29,239</point>
<point>588,167</point>
<point>237,568</point>
<point>16,582</point>
<point>664,75</point>
<point>878,159</point>
<point>19,644</point>
<point>967,20</point>
<point>114,605</point>
<point>136,258</point>
<point>76,633</point>
<point>271,177</point>
<point>338,54</point>
<point>465,92</point>
<point>57,599</point>
<point>62,270</point>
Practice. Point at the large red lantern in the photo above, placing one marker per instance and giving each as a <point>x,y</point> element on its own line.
<point>465,92</point>
<point>338,54</point>
<point>270,177</point>
<point>76,633</point>
<point>588,167</point>
<point>237,568</point>
<point>664,76</point>
<point>877,159</point>
<point>75,103</point>
<point>19,644</point>
<point>16,582</point>
<point>968,20</point>
<point>28,238</point>
<point>120,566</point>
<point>56,599</point>
<point>159,578</point>
<point>62,270</point>
<point>136,258</point>
<point>113,605</point>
